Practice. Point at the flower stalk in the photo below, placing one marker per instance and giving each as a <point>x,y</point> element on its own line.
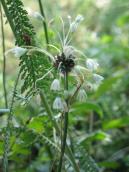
<point>66,120</point>
<point>4,59</point>
<point>44,23</point>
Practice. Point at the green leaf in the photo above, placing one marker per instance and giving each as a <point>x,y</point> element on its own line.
<point>108,83</point>
<point>1,147</point>
<point>116,123</point>
<point>109,164</point>
<point>86,107</point>
<point>96,136</point>
<point>36,124</point>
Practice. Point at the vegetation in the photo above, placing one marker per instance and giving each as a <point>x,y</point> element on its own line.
<point>64,86</point>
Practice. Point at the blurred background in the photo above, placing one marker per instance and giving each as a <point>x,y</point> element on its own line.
<point>103,35</point>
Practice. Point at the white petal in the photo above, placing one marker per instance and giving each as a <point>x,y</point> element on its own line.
<point>68,51</point>
<point>74,25</point>
<point>79,18</point>
<point>97,78</point>
<point>18,51</point>
<point>92,64</point>
<point>58,104</point>
<point>82,95</point>
<point>55,85</point>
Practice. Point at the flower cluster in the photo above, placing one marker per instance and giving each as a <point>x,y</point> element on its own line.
<point>71,61</point>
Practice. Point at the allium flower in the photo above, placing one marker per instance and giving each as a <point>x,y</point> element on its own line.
<point>59,104</point>
<point>82,95</point>
<point>74,24</point>
<point>97,78</point>
<point>55,85</point>
<point>92,64</point>
<point>79,18</point>
<point>18,51</point>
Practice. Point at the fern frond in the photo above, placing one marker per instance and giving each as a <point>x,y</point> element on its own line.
<point>31,66</point>
<point>85,162</point>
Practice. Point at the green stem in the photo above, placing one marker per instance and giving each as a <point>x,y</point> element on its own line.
<point>8,17</point>
<point>7,132</point>
<point>44,23</point>
<point>65,125</point>
<point>50,115</point>
<point>4,59</point>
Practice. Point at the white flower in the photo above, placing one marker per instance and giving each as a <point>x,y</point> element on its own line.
<point>18,51</point>
<point>82,95</point>
<point>97,78</point>
<point>37,15</point>
<point>59,104</point>
<point>55,85</point>
<point>74,24</point>
<point>79,18</point>
<point>92,64</point>
<point>68,51</point>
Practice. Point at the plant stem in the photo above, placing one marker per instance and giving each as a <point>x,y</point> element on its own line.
<point>7,132</point>
<point>48,110</point>
<point>50,115</point>
<point>44,23</point>
<point>65,125</point>
<point>4,59</point>
<point>8,17</point>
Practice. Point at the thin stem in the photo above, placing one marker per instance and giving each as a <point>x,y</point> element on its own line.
<point>50,115</point>
<point>65,126</point>
<point>4,59</point>
<point>7,132</point>
<point>44,23</point>
<point>8,17</point>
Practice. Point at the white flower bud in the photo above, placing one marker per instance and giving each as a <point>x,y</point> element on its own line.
<point>74,24</point>
<point>18,51</point>
<point>79,18</point>
<point>59,104</point>
<point>82,95</point>
<point>55,85</point>
<point>97,78</point>
<point>92,64</point>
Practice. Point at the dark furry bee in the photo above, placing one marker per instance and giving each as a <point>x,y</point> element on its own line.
<point>64,64</point>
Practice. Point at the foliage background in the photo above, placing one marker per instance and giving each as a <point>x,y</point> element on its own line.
<point>104,35</point>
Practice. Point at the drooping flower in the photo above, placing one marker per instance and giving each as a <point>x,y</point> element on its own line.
<point>59,104</point>
<point>98,78</point>
<point>79,18</point>
<point>55,86</point>
<point>76,22</point>
<point>38,16</point>
<point>17,51</point>
<point>92,64</point>
<point>82,95</point>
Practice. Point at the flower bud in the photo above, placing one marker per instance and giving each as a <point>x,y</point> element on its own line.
<point>92,64</point>
<point>55,86</point>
